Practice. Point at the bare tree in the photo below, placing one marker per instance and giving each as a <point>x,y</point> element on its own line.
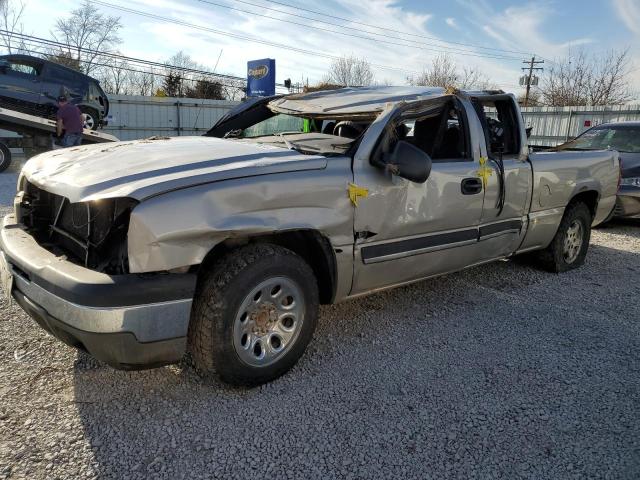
<point>234,89</point>
<point>64,58</point>
<point>11,24</point>
<point>534,100</point>
<point>470,77</point>
<point>144,83</point>
<point>587,80</point>
<point>443,72</point>
<point>117,77</point>
<point>350,71</point>
<point>88,33</point>
<point>177,80</point>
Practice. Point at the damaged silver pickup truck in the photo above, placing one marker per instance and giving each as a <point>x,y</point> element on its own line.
<point>224,245</point>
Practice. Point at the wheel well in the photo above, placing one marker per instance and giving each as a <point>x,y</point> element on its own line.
<point>589,198</point>
<point>312,246</point>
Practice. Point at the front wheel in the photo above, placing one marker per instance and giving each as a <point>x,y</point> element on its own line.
<point>568,248</point>
<point>253,315</point>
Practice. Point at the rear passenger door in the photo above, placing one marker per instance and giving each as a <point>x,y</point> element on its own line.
<point>406,231</point>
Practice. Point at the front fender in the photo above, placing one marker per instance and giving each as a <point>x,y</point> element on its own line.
<point>179,228</point>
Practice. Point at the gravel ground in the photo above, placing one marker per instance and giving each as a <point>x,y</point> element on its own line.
<point>502,371</point>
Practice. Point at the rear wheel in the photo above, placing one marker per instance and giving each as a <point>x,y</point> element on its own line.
<point>253,315</point>
<point>90,118</point>
<point>568,248</point>
<point>5,157</point>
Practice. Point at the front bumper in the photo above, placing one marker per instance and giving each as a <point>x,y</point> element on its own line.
<point>628,202</point>
<point>128,321</point>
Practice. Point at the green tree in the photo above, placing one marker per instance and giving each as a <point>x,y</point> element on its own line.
<point>206,89</point>
<point>172,85</point>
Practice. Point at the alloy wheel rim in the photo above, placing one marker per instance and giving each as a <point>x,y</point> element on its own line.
<point>268,322</point>
<point>573,242</point>
<point>89,122</point>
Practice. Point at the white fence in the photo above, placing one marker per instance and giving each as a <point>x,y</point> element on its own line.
<point>554,125</point>
<point>133,117</point>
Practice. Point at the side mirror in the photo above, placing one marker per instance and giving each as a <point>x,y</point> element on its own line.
<point>529,130</point>
<point>4,66</point>
<point>408,161</point>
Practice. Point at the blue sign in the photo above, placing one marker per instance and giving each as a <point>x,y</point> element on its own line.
<point>261,77</point>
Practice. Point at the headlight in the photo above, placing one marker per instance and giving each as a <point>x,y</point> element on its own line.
<point>633,181</point>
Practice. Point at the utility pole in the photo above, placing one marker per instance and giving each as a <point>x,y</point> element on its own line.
<point>528,79</point>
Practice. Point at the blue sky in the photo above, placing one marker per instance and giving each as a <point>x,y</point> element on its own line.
<point>548,28</point>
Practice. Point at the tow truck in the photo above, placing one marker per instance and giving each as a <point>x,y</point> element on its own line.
<point>34,135</point>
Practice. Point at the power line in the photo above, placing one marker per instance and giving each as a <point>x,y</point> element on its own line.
<point>377,27</point>
<point>35,42</point>
<point>458,51</point>
<point>118,56</point>
<point>241,37</point>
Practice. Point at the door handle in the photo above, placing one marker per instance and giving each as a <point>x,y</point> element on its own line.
<point>471,186</point>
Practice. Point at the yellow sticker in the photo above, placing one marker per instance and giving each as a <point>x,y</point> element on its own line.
<point>484,172</point>
<point>356,192</point>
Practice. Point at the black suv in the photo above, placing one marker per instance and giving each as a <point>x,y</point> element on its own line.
<point>32,85</point>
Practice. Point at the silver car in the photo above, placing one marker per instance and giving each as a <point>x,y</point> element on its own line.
<point>224,245</point>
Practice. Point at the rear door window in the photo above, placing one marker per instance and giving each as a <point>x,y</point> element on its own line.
<point>499,119</point>
<point>26,69</point>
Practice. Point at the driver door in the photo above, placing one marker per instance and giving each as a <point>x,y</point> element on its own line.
<point>406,231</point>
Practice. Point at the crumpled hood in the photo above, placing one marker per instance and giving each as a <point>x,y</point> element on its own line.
<point>143,168</point>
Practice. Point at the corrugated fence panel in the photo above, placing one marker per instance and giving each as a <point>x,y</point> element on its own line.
<point>555,125</point>
<point>133,117</point>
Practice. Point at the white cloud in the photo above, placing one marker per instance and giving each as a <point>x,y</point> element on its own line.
<point>629,13</point>
<point>520,28</point>
<point>452,23</point>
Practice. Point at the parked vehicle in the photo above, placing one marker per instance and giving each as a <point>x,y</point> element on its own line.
<point>623,137</point>
<point>32,85</point>
<point>224,247</point>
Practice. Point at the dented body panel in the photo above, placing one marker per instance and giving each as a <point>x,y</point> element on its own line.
<point>313,200</point>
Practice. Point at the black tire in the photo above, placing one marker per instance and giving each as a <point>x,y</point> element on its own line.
<point>93,119</point>
<point>217,307</point>
<point>554,258</point>
<point>5,157</point>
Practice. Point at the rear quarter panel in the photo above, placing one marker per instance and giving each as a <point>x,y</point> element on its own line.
<point>557,178</point>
